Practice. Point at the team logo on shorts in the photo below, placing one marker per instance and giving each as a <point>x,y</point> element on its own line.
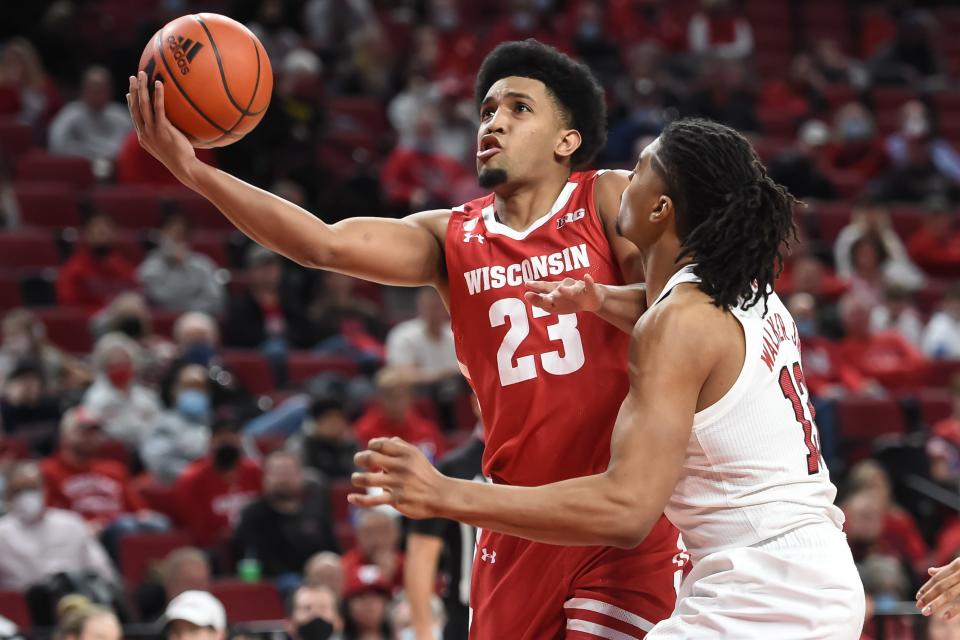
<point>490,557</point>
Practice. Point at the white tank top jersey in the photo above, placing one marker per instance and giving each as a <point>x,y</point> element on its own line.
<point>753,468</point>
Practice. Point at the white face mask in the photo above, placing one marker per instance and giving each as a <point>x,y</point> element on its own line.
<point>28,505</point>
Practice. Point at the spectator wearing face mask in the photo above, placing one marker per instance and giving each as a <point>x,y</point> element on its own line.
<point>96,272</point>
<point>182,433</point>
<point>129,410</point>
<point>314,614</point>
<point>325,443</point>
<point>213,490</point>
<point>175,278</point>
<point>922,162</point>
<point>129,314</point>
<point>37,541</point>
<point>855,153</point>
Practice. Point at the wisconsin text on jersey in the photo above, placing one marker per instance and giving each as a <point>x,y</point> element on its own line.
<point>774,334</point>
<point>534,268</point>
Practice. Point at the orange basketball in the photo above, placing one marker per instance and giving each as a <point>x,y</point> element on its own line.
<point>216,77</point>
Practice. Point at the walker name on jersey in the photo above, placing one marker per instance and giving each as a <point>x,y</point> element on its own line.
<point>774,335</point>
<point>533,268</point>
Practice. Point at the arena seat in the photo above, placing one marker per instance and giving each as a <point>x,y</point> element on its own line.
<point>200,211</point>
<point>131,206</point>
<point>67,327</point>
<point>38,165</point>
<point>10,297</point>
<point>303,365</point>
<point>867,418</point>
<point>13,606</point>
<point>941,372</point>
<point>251,368</point>
<point>339,507</point>
<point>212,245</point>
<point>346,536</point>
<point>935,405</point>
<point>47,204</point>
<point>140,551</point>
<point>158,497</point>
<point>249,601</point>
<point>28,248</point>
<point>16,138</point>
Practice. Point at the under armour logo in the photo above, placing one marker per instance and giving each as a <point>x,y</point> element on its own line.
<point>468,228</point>
<point>490,557</point>
<point>467,237</point>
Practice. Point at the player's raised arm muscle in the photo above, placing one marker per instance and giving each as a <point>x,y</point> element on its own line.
<point>398,252</point>
<point>669,362</point>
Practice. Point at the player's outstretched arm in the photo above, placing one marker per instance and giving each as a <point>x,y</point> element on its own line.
<point>669,362</point>
<point>399,252</point>
<point>621,306</point>
<point>940,595</point>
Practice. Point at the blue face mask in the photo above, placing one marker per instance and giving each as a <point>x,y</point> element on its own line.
<point>193,404</point>
<point>806,328</point>
<point>200,353</point>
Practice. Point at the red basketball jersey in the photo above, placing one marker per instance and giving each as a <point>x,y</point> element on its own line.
<point>550,386</point>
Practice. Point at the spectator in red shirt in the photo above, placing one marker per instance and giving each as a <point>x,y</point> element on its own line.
<point>935,247</point>
<point>26,90</point>
<point>799,95</point>
<point>99,489</point>
<point>634,21</point>
<point>876,524</point>
<point>856,154</point>
<point>377,553</point>
<point>718,30</point>
<point>885,356</point>
<point>394,415</point>
<point>417,177</point>
<point>365,602</point>
<point>213,491</point>
<point>95,273</point>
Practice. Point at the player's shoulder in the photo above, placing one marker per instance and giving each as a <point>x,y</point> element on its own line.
<point>683,320</point>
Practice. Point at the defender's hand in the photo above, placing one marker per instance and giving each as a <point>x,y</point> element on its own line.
<point>566,296</point>
<point>410,483</point>
<point>941,593</point>
<point>156,134</point>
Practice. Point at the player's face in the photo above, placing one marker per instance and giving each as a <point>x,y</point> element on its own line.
<point>645,209</point>
<point>521,131</point>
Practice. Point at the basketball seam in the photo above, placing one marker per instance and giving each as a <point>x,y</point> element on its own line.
<point>159,46</point>
<point>223,77</point>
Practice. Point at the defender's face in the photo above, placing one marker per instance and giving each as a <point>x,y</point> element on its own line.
<point>644,195</point>
<point>520,127</point>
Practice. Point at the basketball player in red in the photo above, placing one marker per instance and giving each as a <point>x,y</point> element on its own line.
<point>548,385</point>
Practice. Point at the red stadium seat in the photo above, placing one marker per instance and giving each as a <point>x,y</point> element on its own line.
<point>10,297</point>
<point>41,166</point>
<point>303,365</point>
<point>251,368</point>
<point>140,551</point>
<point>339,507</point>
<point>935,405</point>
<point>212,245</point>
<point>67,327</point>
<point>28,248</point>
<point>131,206</point>
<point>13,606</point>
<point>867,418</point>
<point>16,138</point>
<point>47,204</point>
<point>163,322</point>
<point>249,601</point>
<point>941,372</point>
<point>158,497</point>
<point>346,536</point>
<point>200,211</point>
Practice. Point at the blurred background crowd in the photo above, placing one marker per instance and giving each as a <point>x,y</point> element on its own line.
<point>179,408</point>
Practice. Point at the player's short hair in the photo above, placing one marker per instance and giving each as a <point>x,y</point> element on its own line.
<point>732,219</point>
<point>571,85</point>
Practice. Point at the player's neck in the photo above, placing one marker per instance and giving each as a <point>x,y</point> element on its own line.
<point>659,265</point>
<point>518,206</point>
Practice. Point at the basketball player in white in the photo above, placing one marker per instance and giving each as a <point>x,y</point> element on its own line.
<point>716,429</point>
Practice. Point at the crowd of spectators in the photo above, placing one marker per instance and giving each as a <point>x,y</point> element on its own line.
<point>161,428</point>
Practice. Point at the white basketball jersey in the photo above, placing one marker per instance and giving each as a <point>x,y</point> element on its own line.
<point>753,468</point>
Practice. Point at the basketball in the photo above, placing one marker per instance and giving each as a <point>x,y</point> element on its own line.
<point>216,75</point>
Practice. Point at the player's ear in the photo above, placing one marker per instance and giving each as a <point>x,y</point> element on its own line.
<point>568,143</point>
<point>662,209</point>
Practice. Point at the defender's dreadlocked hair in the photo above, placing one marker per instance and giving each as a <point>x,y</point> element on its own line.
<point>571,84</point>
<point>732,219</point>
